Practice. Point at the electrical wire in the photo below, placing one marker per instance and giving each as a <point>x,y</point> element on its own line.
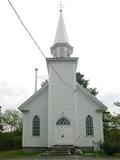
<point>35,42</point>
<point>26,28</point>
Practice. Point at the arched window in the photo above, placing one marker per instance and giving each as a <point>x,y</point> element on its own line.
<point>36,126</point>
<point>89,126</point>
<point>63,121</point>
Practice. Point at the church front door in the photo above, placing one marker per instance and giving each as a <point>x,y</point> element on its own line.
<point>63,132</point>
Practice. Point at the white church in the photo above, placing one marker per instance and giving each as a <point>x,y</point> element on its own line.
<point>62,113</point>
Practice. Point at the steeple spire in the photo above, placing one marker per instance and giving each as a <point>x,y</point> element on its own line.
<point>61,47</point>
<point>61,34</point>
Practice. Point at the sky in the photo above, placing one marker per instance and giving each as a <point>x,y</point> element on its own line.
<point>93,28</point>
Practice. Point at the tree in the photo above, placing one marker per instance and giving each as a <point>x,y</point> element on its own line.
<point>84,83</point>
<point>13,119</point>
<point>111,125</point>
<point>110,121</point>
<point>44,83</point>
<point>1,125</point>
<point>116,121</point>
<point>107,120</point>
<point>117,104</point>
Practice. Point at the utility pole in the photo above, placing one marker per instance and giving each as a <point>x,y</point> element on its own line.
<point>36,70</point>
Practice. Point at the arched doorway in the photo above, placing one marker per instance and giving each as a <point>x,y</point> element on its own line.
<point>63,132</point>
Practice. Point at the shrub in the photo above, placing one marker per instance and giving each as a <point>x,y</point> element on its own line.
<point>110,148</point>
<point>10,141</point>
<point>112,142</point>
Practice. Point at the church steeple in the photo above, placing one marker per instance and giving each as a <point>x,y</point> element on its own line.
<point>61,34</point>
<point>61,47</point>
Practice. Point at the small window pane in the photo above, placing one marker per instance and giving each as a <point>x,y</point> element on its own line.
<point>89,125</point>
<point>36,126</point>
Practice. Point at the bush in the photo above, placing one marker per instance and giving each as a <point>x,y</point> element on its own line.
<point>112,142</point>
<point>9,141</point>
<point>110,148</point>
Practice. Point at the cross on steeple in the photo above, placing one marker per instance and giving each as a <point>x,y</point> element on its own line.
<point>60,6</point>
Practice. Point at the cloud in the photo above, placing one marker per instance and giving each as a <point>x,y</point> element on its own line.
<point>11,95</point>
<point>109,98</point>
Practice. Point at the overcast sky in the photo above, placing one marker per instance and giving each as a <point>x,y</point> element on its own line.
<point>93,28</point>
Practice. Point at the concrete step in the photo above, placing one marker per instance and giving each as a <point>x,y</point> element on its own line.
<point>60,150</point>
<point>62,146</point>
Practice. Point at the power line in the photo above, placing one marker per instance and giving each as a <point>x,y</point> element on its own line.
<point>26,28</point>
<point>35,42</point>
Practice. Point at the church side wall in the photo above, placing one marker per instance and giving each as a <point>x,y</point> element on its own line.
<point>39,107</point>
<point>86,106</point>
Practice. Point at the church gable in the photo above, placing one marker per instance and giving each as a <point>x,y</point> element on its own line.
<point>39,97</point>
<point>87,97</point>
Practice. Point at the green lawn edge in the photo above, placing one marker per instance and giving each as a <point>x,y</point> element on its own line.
<point>17,154</point>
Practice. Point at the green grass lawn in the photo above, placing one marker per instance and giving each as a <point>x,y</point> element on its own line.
<point>20,154</point>
<point>17,154</point>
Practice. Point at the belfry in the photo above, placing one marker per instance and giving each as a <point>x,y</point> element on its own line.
<point>61,47</point>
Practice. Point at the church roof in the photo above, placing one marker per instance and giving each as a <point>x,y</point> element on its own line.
<point>100,104</point>
<point>61,34</point>
<point>21,107</point>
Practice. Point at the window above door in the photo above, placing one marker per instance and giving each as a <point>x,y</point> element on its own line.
<point>63,121</point>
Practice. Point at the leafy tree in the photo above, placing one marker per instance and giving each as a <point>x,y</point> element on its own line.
<point>93,91</point>
<point>111,125</point>
<point>110,122</point>
<point>107,120</point>
<point>1,126</point>
<point>116,121</point>
<point>13,118</point>
<point>84,83</point>
<point>80,79</point>
<point>44,83</point>
<point>117,104</point>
